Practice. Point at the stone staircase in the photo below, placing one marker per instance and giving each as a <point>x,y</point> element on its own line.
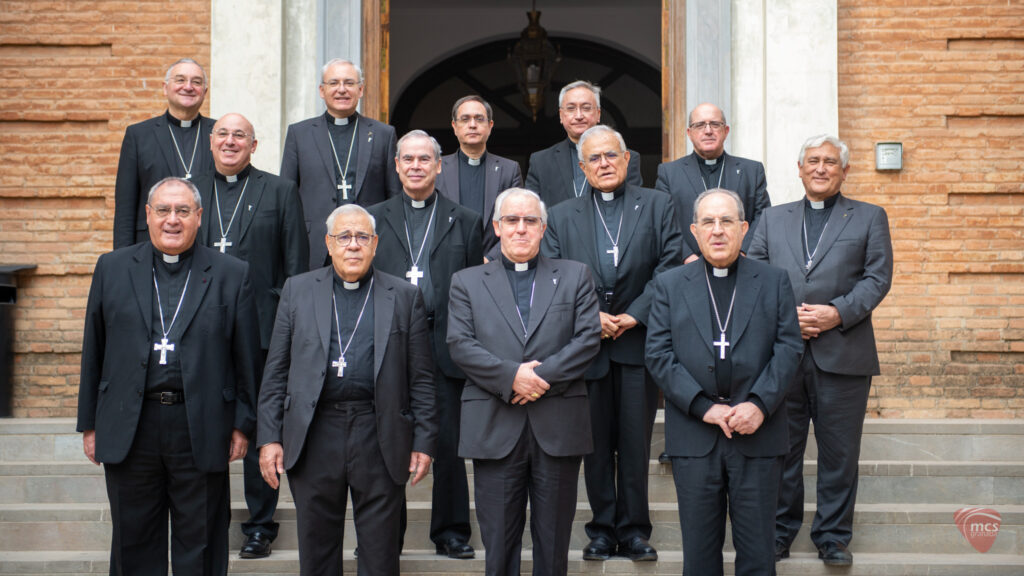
<point>914,475</point>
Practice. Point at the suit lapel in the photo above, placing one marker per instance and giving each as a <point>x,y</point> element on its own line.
<point>198,284</point>
<point>323,309</point>
<point>383,314</point>
<point>251,203</point>
<point>394,215</point>
<point>730,172</point>
<point>497,284</point>
<point>563,158</point>
<point>697,300</point>
<point>322,141</point>
<point>205,186</point>
<point>162,134</point>
<point>748,287</point>
<point>794,224</point>
<point>450,176</point>
<point>545,282</point>
<point>692,172</point>
<point>141,275</point>
<point>633,206</point>
<point>841,215</point>
<point>586,230</point>
<point>444,219</point>
<point>492,181</point>
<point>364,137</point>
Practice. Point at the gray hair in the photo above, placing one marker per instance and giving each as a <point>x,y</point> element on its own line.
<point>167,75</point>
<point>821,140</point>
<point>735,197</point>
<point>196,196</point>
<point>580,84</point>
<point>418,134</point>
<point>472,98</point>
<point>689,118</point>
<point>333,61</point>
<point>595,130</point>
<point>519,192</point>
<point>346,209</point>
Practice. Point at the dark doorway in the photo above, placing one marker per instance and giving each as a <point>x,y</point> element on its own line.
<point>630,99</point>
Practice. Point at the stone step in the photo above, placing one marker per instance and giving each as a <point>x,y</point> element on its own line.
<point>425,563</point>
<point>923,482</point>
<point>888,528</point>
<point>37,439</point>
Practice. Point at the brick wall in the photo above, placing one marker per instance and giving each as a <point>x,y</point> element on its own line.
<point>947,80</point>
<point>72,77</point>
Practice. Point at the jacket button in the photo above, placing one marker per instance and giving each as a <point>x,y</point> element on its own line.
<point>711,368</point>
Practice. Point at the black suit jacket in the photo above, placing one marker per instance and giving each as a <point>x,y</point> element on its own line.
<point>550,172</point>
<point>403,369</point>
<point>454,245</point>
<point>273,237</point>
<point>219,352</point>
<point>485,335</point>
<point>648,245</point>
<point>308,161</point>
<point>852,270</point>
<point>681,178</point>
<point>765,347</point>
<point>147,157</point>
<point>501,174</point>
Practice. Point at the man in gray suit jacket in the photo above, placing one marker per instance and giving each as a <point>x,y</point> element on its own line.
<point>838,254</point>
<point>723,344</point>
<point>709,166</point>
<point>340,156</point>
<point>348,400</point>
<point>524,328</point>
<point>472,176</point>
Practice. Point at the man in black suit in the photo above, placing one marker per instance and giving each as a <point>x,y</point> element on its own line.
<point>838,254</point>
<point>709,166</point>
<point>523,328</point>
<point>472,176</point>
<point>172,144</point>
<point>723,344</point>
<point>626,235</point>
<point>554,172</point>
<point>348,399</point>
<point>170,359</point>
<point>257,217</point>
<point>426,238</point>
<point>339,157</point>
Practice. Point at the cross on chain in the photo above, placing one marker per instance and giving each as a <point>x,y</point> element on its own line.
<point>722,344</point>
<point>340,365</point>
<point>223,244</point>
<point>344,187</point>
<point>414,274</point>
<point>615,255</point>
<point>163,347</point>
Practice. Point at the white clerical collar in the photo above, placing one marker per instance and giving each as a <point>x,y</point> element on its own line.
<point>232,178</point>
<point>340,121</point>
<point>186,123</point>
<point>817,204</point>
<point>171,258</point>
<point>522,266</point>
<point>472,161</point>
<point>711,162</point>
<point>350,285</point>
<point>418,203</point>
<point>720,272</point>
<point>607,196</point>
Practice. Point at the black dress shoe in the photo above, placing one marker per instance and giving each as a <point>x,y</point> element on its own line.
<point>781,551</point>
<point>600,548</point>
<point>638,549</point>
<point>835,554</point>
<point>257,546</point>
<point>455,548</point>
<point>663,458</point>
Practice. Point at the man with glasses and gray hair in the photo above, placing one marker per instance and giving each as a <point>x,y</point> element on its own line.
<point>339,157</point>
<point>554,173</point>
<point>172,144</point>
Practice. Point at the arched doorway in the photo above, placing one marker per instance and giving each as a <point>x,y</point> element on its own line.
<point>630,99</point>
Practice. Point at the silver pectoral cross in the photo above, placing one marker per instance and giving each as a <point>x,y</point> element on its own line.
<point>809,262</point>
<point>188,175</point>
<point>414,274</point>
<point>344,187</point>
<point>340,365</point>
<point>615,255</point>
<point>722,344</point>
<point>163,347</point>
<point>223,244</point>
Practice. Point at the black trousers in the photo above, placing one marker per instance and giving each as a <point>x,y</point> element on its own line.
<point>726,481</point>
<point>157,478</point>
<point>342,452</point>
<point>449,511</point>
<point>260,498</point>
<point>502,488</point>
<point>623,405</point>
<point>836,404</point>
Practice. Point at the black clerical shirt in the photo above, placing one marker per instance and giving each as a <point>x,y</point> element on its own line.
<point>170,277</point>
<point>186,138</point>
<point>815,220</point>
<point>228,195</point>
<point>472,180</point>
<point>417,219</point>
<point>522,282</point>
<point>723,288</point>
<point>342,136</point>
<point>608,213</point>
<point>710,173</point>
<point>357,382</point>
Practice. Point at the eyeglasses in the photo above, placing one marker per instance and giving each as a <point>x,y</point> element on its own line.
<point>164,211</point>
<point>595,159</point>
<point>348,84</point>
<point>346,238</point>
<point>715,125</point>
<point>513,221</point>
<point>181,81</point>
<point>236,134</point>
<point>726,223</point>
<point>479,119</point>
<point>583,108</point>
